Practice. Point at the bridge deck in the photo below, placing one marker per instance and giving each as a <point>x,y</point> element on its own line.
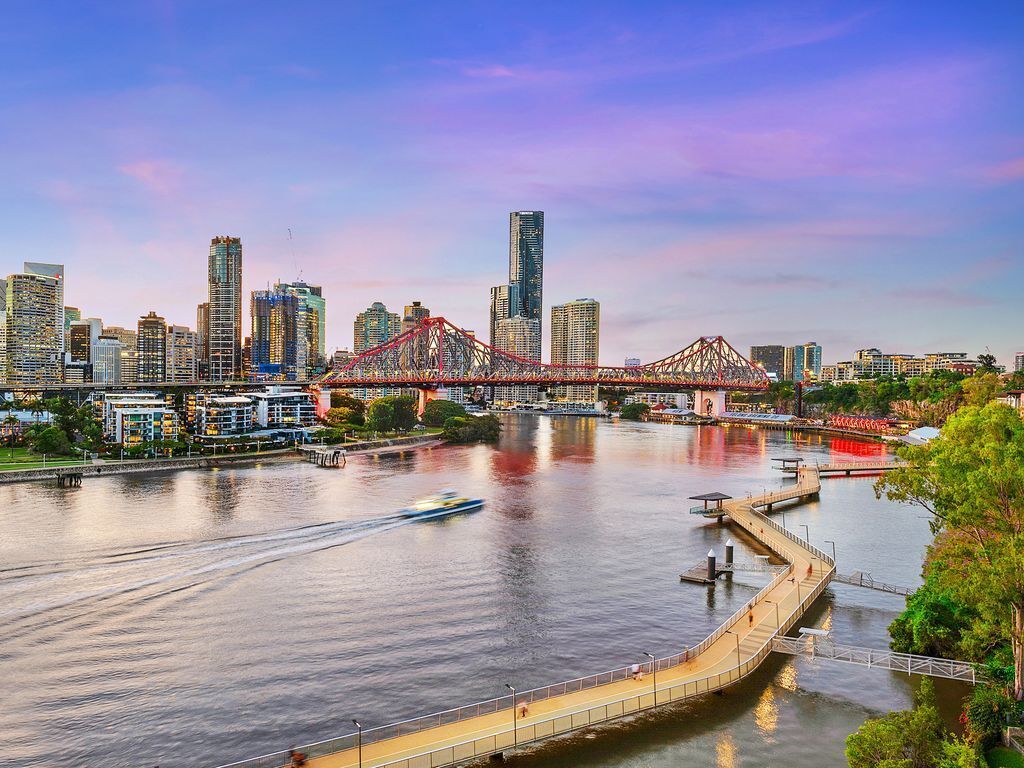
<point>847,467</point>
<point>733,651</point>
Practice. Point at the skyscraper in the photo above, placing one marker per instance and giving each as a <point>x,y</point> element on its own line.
<point>803,362</point>
<point>34,328</point>
<point>107,356</point>
<point>70,315</point>
<point>526,261</point>
<point>55,271</point>
<point>1018,362</point>
<point>3,331</point>
<point>575,340</point>
<point>203,339</point>
<point>152,348</point>
<point>504,304</point>
<point>278,343</point>
<point>414,314</point>
<point>312,323</point>
<point>225,299</point>
<point>374,326</point>
<point>182,361</point>
<point>82,335</point>
<point>771,358</point>
<point>518,336</point>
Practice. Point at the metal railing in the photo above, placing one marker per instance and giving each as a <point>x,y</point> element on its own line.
<point>859,579</point>
<point>751,567</point>
<point>490,706</point>
<point>822,648</point>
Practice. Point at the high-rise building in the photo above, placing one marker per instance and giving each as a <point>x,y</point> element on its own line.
<point>278,343</point>
<point>129,365</point>
<point>70,315</point>
<point>632,362</point>
<point>504,304</point>
<point>526,261</point>
<point>311,323</point>
<point>1018,362</point>
<point>152,347</point>
<point>107,356</point>
<point>575,340</point>
<point>55,271</point>
<point>34,328</point>
<point>802,362</point>
<point>182,359</point>
<point>225,285</point>
<point>81,336</point>
<point>414,314</point>
<point>771,358</point>
<point>374,326</point>
<point>3,331</point>
<point>518,336</point>
<point>203,339</point>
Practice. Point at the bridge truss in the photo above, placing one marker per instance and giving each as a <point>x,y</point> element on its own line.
<point>437,353</point>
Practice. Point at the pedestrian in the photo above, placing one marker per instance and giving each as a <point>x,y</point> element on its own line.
<point>635,670</point>
<point>750,619</point>
<point>524,710</point>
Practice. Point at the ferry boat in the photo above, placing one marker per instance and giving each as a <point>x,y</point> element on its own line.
<point>444,504</point>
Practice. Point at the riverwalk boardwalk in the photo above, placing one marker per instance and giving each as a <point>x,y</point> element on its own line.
<point>730,653</point>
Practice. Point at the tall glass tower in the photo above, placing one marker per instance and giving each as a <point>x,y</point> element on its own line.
<point>225,313</point>
<point>526,261</point>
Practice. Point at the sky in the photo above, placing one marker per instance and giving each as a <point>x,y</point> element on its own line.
<point>773,172</point>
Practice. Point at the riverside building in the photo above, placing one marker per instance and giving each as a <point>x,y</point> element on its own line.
<point>34,327</point>
<point>182,354</point>
<point>575,340</point>
<point>518,336</point>
<point>374,326</point>
<point>152,349</point>
<point>225,309</point>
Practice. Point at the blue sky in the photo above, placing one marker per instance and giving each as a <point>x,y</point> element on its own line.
<point>773,172</point>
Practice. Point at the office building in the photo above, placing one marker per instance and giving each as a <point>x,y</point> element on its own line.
<point>225,313</point>
<point>214,416</point>
<point>82,334</point>
<point>341,358</point>
<point>802,362</point>
<point>1018,362</point>
<point>106,357</point>
<point>575,340</point>
<point>129,366</point>
<point>413,315</point>
<point>34,328</point>
<point>283,407</point>
<point>152,348</point>
<point>374,326</point>
<point>77,372</point>
<point>70,315</point>
<point>632,362</point>
<point>311,321</point>
<point>504,304</point>
<point>182,354</point>
<point>771,358</point>
<point>3,331</point>
<point>203,339</point>
<point>278,338</point>
<point>56,272</point>
<point>677,400</point>
<point>518,336</point>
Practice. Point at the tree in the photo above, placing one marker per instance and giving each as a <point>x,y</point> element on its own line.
<point>405,412</point>
<point>472,429</point>
<point>981,388</point>
<point>380,417</point>
<point>971,479</point>
<point>437,412</point>
<point>634,411</point>
<point>52,440</point>
<point>987,363</point>
<point>341,399</point>
<point>933,622</point>
<point>907,739</point>
<point>336,417</point>
<point>11,422</point>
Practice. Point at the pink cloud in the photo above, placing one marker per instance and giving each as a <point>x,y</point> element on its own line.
<point>1008,171</point>
<point>160,177</point>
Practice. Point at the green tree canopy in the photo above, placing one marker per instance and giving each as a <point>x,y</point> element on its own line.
<point>380,416</point>
<point>51,440</point>
<point>472,429</point>
<point>437,412</point>
<point>336,417</point>
<point>634,411</point>
<point>971,479</point>
<point>341,399</point>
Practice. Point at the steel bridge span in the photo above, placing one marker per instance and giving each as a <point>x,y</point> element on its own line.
<point>730,653</point>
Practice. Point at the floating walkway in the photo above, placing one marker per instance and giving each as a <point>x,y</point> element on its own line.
<point>729,654</point>
<point>859,579</point>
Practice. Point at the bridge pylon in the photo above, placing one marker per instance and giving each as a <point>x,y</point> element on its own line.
<point>709,402</point>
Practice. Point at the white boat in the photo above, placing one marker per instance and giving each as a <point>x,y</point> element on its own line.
<point>444,504</point>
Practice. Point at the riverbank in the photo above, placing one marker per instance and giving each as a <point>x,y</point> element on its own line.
<point>142,466</point>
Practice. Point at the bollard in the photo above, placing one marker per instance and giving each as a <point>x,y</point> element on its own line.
<point>712,570</point>
<point>728,557</point>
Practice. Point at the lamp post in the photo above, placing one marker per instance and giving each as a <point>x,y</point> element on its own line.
<point>778,624</point>
<point>359,740</point>
<point>515,736</point>
<point>654,673</point>
<point>833,550</point>
<point>730,632</point>
<point>783,517</point>
<point>807,532</point>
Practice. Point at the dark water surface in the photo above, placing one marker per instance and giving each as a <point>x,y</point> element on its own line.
<point>196,618</point>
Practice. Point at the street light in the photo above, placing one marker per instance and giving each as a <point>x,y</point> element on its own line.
<point>730,632</point>
<point>778,624</point>
<point>654,672</point>
<point>515,737</point>
<point>783,517</point>
<point>807,532</point>
<point>833,550</point>
<point>359,740</point>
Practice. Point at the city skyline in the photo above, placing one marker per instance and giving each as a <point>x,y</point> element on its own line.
<point>714,177</point>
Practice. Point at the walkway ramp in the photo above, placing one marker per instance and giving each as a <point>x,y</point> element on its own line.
<point>860,579</point>
<point>823,648</point>
<point>729,654</point>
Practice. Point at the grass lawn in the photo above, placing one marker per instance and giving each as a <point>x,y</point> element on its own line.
<point>1001,757</point>
<point>24,459</point>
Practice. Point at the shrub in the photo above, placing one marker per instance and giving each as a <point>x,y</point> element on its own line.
<point>472,429</point>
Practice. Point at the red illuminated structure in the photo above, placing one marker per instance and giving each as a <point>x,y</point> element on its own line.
<point>438,354</point>
<point>864,424</point>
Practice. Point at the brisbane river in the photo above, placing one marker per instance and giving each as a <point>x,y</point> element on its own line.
<point>201,617</point>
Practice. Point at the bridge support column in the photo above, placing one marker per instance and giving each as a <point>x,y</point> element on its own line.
<point>424,397</point>
<point>709,402</point>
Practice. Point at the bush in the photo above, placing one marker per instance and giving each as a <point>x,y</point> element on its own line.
<point>987,713</point>
<point>330,435</point>
<point>932,623</point>
<point>472,429</point>
<point>437,412</point>
<point>634,411</point>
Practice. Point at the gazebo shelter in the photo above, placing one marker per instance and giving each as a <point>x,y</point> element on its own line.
<point>716,497</point>
<point>790,463</point>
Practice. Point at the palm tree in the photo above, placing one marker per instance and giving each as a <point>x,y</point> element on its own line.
<point>11,422</point>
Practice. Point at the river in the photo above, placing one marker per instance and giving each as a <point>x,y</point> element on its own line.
<point>200,617</point>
